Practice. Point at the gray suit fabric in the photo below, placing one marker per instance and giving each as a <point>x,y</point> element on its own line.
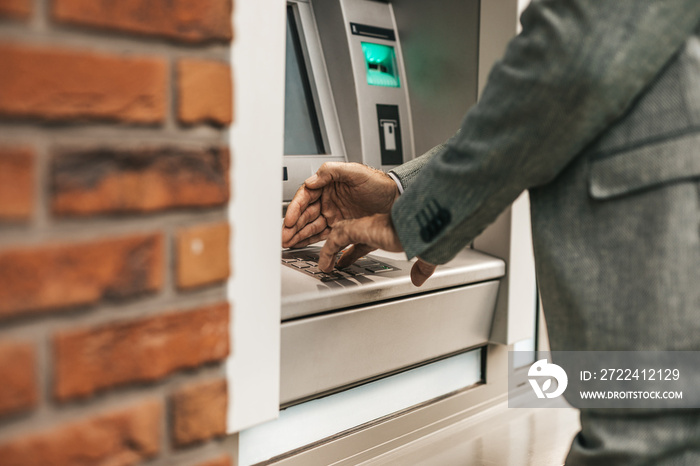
<point>595,108</point>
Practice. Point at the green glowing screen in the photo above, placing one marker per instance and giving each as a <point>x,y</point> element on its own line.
<point>380,61</point>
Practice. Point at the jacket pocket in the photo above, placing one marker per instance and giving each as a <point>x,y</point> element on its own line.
<point>646,167</point>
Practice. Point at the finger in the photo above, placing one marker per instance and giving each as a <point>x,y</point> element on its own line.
<point>376,231</point>
<point>421,271</point>
<point>329,172</point>
<point>312,212</point>
<point>329,208</point>
<point>314,239</point>
<point>310,230</point>
<point>353,253</point>
<point>339,238</point>
<point>302,198</point>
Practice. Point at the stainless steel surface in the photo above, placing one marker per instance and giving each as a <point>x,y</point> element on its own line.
<point>440,45</point>
<point>395,432</point>
<point>501,436</point>
<point>331,415</point>
<point>303,295</point>
<point>335,350</point>
<point>473,427</point>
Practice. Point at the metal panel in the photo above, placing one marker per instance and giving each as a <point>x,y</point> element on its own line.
<point>330,22</point>
<point>356,100</point>
<point>372,441</point>
<point>369,403</point>
<point>324,353</point>
<point>300,167</point>
<point>440,44</point>
<point>303,295</point>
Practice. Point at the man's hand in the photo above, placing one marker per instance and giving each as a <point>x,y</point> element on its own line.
<point>338,191</point>
<point>365,235</point>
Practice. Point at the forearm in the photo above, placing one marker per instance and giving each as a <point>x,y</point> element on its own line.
<point>560,84</point>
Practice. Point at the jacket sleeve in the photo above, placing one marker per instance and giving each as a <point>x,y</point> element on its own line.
<point>408,172</point>
<point>575,68</point>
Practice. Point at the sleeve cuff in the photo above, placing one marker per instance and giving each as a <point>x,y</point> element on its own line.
<point>393,176</point>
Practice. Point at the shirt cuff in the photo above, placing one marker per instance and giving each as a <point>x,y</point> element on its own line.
<point>393,176</point>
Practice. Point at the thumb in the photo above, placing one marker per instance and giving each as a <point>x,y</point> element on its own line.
<point>328,172</point>
<point>421,271</point>
<point>353,253</point>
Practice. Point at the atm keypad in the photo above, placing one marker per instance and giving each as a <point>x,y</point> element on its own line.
<point>307,262</point>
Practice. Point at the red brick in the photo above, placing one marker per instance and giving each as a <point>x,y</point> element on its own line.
<point>222,461</point>
<point>204,91</point>
<point>77,274</point>
<point>102,181</point>
<point>202,255</point>
<point>199,412</point>
<point>18,390</point>
<point>123,437</point>
<point>62,84</point>
<point>93,359</point>
<point>18,9</point>
<point>16,183</point>
<point>185,20</point>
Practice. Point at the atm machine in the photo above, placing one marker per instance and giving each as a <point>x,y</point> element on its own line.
<point>362,85</point>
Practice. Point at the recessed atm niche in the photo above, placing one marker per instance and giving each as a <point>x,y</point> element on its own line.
<point>350,98</point>
<point>347,99</point>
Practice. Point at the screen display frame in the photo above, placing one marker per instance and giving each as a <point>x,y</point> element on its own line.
<point>308,90</point>
<point>298,167</point>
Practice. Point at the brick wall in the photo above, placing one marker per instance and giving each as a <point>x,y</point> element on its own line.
<point>114,240</point>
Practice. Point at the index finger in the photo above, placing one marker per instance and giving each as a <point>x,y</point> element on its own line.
<point>301,200</point>
<point>338,240</point>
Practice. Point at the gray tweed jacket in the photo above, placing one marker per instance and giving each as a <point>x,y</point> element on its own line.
<point>595,108</point>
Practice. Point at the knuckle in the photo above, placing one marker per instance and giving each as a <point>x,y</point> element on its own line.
<point>304,218</point>
<point>334,239</point>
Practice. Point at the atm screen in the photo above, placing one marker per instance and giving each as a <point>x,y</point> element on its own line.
<point>302,132</point>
